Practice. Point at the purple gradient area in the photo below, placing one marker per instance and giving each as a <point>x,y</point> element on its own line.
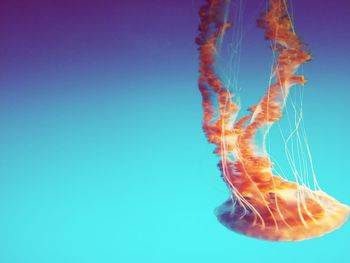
<point>119,36</point>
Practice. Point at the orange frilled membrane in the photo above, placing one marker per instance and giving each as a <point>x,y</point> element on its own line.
<point>288,212</point>
<point>262,205</point>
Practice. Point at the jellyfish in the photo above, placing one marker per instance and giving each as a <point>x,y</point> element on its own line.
<point>262,204</point>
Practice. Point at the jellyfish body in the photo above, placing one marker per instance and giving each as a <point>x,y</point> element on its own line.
<point>261,205</point>
<point>289,215</point>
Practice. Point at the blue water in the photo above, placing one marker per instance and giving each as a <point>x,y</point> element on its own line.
<point>102,154</point>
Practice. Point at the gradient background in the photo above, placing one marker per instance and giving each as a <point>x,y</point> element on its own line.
<point>102,154</point>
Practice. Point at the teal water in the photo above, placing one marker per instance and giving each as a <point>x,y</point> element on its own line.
<point>102,154</point>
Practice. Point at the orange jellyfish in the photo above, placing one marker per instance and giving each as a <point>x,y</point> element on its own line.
<point>261,205</point>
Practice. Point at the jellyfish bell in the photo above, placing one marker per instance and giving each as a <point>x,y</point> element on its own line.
<point>291,214</point>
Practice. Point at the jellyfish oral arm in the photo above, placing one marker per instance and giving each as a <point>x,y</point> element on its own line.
<point>262,205</point>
